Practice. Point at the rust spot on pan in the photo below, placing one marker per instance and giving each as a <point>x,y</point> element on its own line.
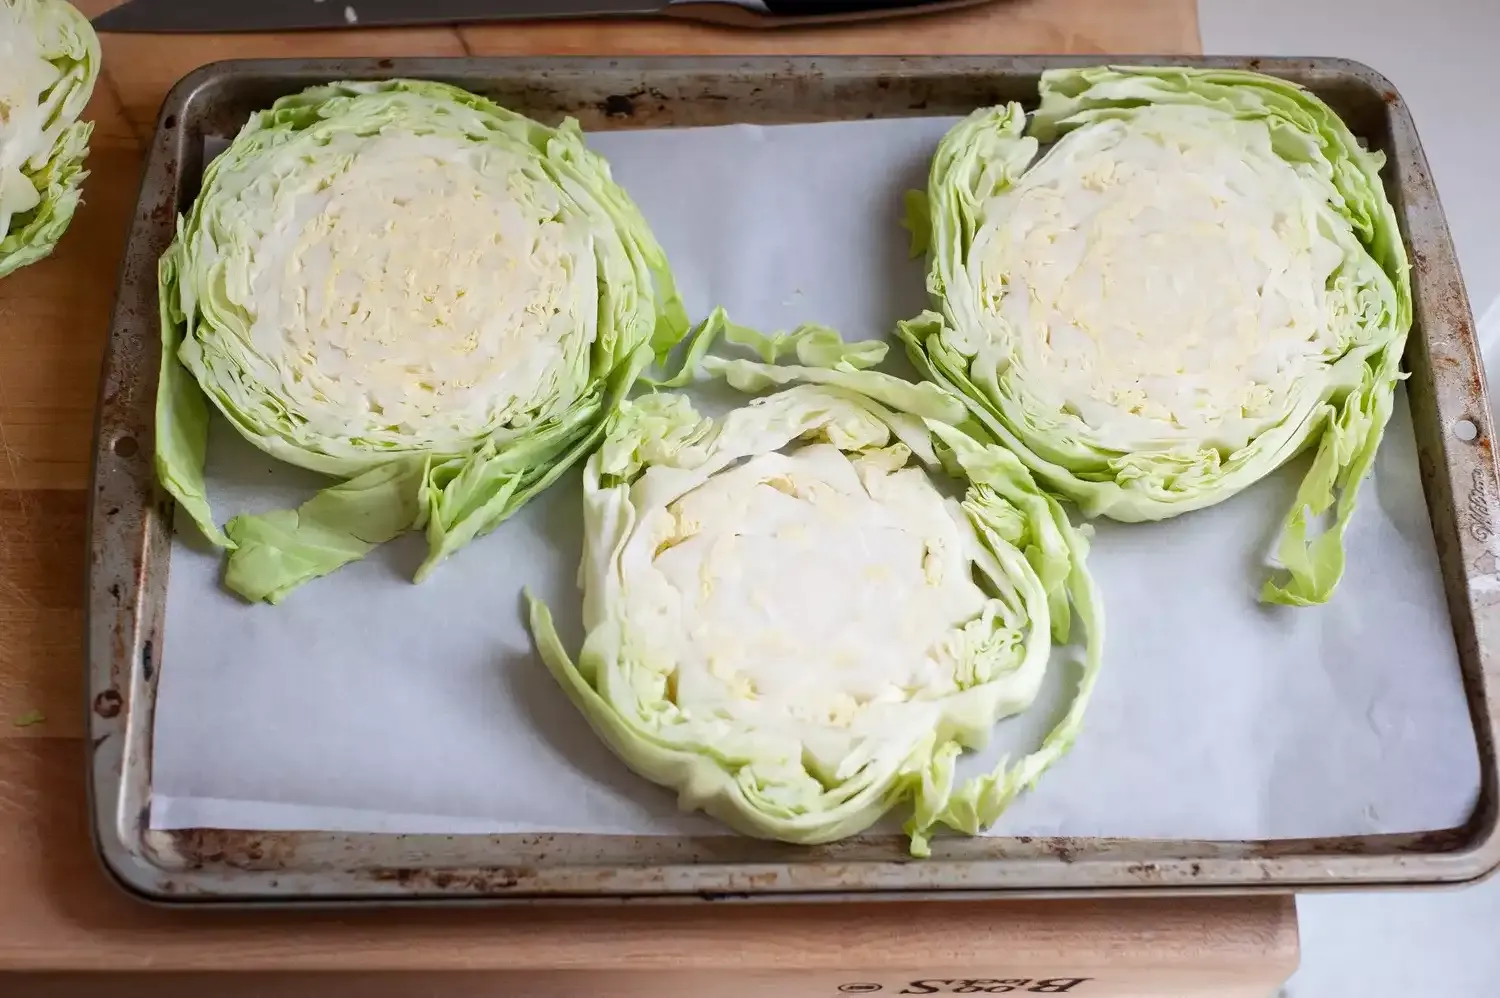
<point>201,847</point>
<point>619,105</point>
<point>461,881</point>
<point>1064,849</point>
<point>108,703</point>
<point>164,211</point>
<point>1282,848</point>
<point>1444,840</point>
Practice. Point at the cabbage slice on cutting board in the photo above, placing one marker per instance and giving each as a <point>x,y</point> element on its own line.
<point>49,61</point>
<point>792,623</point>
<point>411,289</point>
<point>1200,277</point>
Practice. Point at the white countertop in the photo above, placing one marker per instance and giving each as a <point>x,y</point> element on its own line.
<point>1437,52</point>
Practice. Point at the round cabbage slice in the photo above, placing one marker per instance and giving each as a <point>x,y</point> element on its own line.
<point>798,615</point>
<point>1201,277</point>
<point>49,60</point>
<point>408,287</point>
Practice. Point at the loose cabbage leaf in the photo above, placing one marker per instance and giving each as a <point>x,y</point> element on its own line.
<point>181,419</point>
<point>278,551</point>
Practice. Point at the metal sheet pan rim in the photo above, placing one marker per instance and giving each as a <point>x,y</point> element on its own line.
<point>129,539</point>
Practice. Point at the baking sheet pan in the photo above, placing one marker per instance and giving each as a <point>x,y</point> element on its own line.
<point>1323,710</point>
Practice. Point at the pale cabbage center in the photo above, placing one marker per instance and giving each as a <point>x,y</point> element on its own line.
<point>1162,278</point>
<point>815,595</point>
<point>425,287</point>
<point>24,76</point>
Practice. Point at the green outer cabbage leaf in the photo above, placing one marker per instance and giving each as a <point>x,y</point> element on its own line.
<point>658,447</point>
<point>42,142</point>
<point>454,492</point>
<point>990,150</point>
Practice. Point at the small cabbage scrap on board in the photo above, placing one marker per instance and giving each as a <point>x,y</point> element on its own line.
<point>1201,277</point>
<point>49,60</point>
<point>788,621</point>
<point>410,288</point>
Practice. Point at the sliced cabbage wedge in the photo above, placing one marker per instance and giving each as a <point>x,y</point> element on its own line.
<point>792,623</point>
<point>1201,277</point>
<point>49,60</point>
<point>411,289</point>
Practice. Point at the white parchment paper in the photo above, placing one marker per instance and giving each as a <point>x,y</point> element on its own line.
<point>365,703</point>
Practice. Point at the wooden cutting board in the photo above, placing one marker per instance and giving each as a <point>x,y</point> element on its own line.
<point>58,912</point>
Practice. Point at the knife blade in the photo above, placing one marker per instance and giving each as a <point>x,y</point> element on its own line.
<point>188,16</point>
<point>296,15</point>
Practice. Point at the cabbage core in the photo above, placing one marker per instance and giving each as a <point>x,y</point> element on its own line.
<point>1165,278</point>
<point>412,289</point>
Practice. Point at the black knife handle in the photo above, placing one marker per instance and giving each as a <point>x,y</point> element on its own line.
<point>826,8</point>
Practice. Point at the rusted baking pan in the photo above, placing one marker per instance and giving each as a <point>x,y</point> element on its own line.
<point>131,524</point>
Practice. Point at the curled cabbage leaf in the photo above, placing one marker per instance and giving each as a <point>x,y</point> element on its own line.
<point>49,60</point>
<point>410,288</point>
<point>1201,277</point>
<point>789,622</point>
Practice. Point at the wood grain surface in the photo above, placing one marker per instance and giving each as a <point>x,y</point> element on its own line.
<point>58,912</point>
